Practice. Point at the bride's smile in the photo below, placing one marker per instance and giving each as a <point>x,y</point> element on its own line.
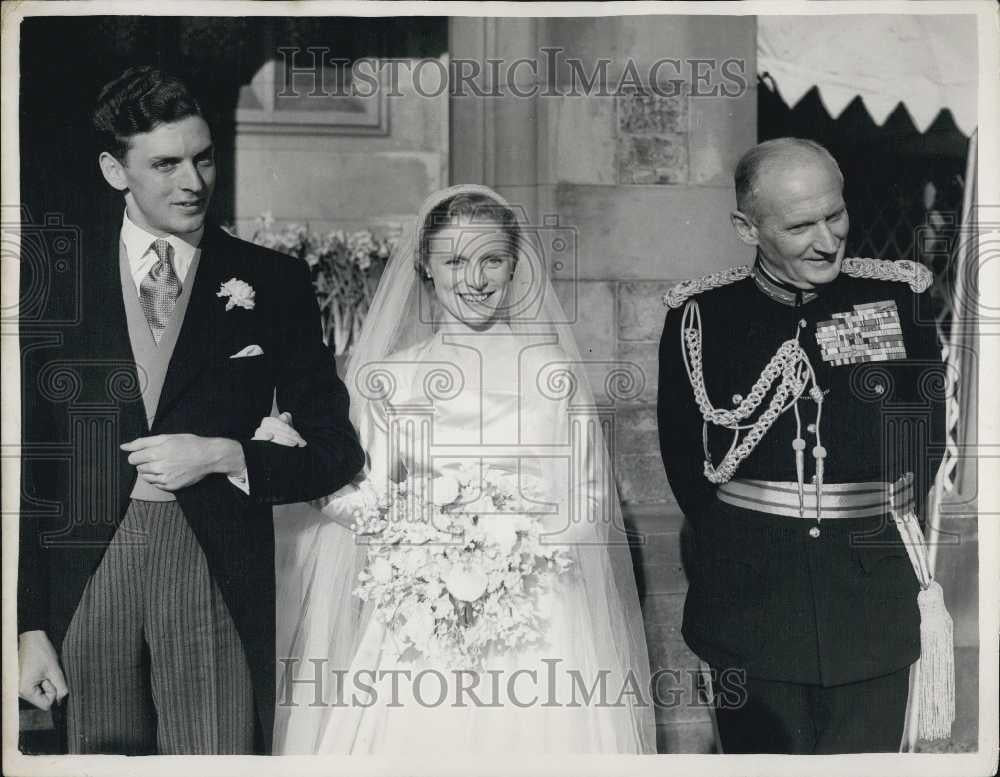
<point>471,296</point>
<point>470,265</point>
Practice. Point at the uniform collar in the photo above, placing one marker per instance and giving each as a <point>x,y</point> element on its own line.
<point>779,290</point>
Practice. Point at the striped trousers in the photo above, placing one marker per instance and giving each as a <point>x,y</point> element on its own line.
<point>152,659</point>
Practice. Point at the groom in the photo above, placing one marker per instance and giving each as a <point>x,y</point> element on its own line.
<point>146,574</point>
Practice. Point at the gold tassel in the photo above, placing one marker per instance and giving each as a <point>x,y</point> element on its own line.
<point>935,681</point>
<point>934,689</point>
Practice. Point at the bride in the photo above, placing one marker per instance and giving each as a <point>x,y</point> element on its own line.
<point>465,357</point>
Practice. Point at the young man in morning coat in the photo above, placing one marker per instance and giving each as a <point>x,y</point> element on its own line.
<point>146,577</point>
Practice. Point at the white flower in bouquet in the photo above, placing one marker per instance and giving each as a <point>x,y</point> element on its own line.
<point>483,503</point>
<point>509,482</point>
<point>414,561</point>
<point>419,624</point>
<point>444,490</point>
<point>500,530</point>
<point>381,570</point>
<point>468,475</point>
<point>477,575</point>
<point>465,583</point>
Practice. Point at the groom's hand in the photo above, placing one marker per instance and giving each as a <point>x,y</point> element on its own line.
<point>173,461</point>
<point>41,680</point>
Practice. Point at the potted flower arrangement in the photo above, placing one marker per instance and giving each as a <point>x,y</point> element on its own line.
<point>346,268</point>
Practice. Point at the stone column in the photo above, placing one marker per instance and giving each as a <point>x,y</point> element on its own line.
<point>494,138</point>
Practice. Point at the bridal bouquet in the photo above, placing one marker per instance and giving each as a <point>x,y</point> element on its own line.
<point>455,565</point>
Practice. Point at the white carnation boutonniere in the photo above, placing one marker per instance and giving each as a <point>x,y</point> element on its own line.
<point>240,294</point>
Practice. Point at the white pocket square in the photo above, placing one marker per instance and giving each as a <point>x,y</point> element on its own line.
<point>250,350</point>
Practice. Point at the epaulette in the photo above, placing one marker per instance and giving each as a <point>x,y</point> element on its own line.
<point>916,275</point>
<point>681,292</point>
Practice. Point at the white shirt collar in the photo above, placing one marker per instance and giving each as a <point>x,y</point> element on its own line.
<point>141,257</point>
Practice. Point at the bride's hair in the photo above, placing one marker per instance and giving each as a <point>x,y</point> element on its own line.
<point>473,207</point>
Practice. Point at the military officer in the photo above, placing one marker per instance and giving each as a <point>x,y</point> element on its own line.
<point>800,407</point>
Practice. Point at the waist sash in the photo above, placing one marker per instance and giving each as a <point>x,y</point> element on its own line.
<point>839,500</point>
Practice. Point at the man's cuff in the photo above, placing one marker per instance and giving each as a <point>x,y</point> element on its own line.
<point>241,481</point>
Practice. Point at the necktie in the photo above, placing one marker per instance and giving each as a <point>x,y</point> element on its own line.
<point>159,290</point>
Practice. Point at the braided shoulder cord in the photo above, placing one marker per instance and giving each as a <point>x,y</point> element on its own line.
<point>681,292</point>
<point>915,275</point>
<point>790,362</point>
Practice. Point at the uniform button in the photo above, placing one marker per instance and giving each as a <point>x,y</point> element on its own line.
<point>814,532</point>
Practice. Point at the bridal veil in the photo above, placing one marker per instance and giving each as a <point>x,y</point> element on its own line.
<point>321,624</point>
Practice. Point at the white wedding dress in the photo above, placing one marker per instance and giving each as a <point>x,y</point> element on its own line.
<point>511,399</point>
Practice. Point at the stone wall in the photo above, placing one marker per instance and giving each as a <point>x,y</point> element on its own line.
<point>645,181</point>
<point>342,177</point>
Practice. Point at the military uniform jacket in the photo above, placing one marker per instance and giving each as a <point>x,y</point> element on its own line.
<point>764,594</point>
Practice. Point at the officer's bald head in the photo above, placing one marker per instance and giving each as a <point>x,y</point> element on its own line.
<point>775,156</point>
<point>792,210</point>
